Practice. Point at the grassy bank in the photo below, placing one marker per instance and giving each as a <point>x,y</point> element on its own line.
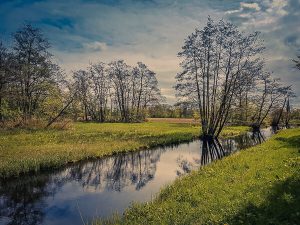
<point>260,185</point>
<point>31,150</point>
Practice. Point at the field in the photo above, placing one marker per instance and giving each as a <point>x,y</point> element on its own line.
<point>260,185</point>
<point>23,150</point>
<point>174,120</point>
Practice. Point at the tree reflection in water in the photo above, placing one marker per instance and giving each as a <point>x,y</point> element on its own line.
<point>213,149</point>
<point>24,200</point>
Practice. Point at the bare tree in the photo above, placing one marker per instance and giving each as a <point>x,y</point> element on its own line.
<point>216,62</point>
<point>120,75</point>
<point>145,88</point>
<point>271,94</point>
<point>81,84</point>
<point>100,86</point>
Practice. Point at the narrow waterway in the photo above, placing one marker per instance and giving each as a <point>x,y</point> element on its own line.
<point>104,186</point>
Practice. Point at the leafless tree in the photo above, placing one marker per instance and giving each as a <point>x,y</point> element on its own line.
<point>217,61</point>
<point>145,88</point>
<point>82,84</point>
<point>270,94</point>
<point>100,87</point>
<point>119,73</point>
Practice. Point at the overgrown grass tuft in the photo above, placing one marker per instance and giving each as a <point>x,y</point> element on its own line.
<point>260,185</point>
<point>24,150</point>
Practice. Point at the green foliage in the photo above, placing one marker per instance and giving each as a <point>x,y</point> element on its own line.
<point>260,185</point>
<point>196,115</point>
<point>8,112</point>
<point>52,104</point>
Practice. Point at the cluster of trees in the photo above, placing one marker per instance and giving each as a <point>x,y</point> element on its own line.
<point>224,74</point>
<point>116,91</point>
<point>178,110</point>
<point>28,76</point>
<point>32,85</point>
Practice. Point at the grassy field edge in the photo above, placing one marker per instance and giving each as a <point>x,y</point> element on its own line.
<point>24,151</point>
<point>259,185</point>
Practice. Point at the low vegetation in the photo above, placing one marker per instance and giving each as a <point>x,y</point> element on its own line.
<point>24,150</point>
<point>260,185</point>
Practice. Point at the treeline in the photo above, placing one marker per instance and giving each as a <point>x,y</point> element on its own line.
<point>33,87</point>
<point>178,110</point>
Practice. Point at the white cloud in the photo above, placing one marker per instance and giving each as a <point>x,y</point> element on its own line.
<point>233,11</point>
<point>95,46</point>
<point>254,6</point>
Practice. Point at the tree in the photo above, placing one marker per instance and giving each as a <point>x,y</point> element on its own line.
<point>217,62</point>
<point>4,77</point>
<point>100,86</point>
<point>119,73</point>
<point>32,86</point>
<point>34,72</point>
<point>271,94</point>
<point>144,88</point>
<point>297,61</point>
<point>82,89</point>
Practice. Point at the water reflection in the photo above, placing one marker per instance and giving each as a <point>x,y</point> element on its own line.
<point>109,184</point>
<point>22,200</point>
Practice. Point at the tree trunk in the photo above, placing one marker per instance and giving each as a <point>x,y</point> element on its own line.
<point>59,114</point>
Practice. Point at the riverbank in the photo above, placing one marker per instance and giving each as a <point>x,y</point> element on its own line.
<point>260,185</point>
<point>23,151</point>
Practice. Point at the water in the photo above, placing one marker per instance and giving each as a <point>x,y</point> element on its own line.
<point>102,187</point>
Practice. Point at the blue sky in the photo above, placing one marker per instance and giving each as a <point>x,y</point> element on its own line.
<point>153,31</point>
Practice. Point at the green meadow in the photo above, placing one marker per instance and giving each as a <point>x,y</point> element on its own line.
<point>259,185</point>
<point>27,150</point>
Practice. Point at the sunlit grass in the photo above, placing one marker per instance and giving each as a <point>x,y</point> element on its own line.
<point>31,150</point>
<point>260,185</point>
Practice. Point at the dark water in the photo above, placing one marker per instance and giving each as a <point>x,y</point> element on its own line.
<point>101,187</point>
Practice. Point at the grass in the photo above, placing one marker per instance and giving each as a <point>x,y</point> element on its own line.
<point>174,120</point>
<point>260,185</point>
<point>23,150</point>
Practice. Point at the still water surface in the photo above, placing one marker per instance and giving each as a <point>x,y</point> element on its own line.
<point>104,186</point>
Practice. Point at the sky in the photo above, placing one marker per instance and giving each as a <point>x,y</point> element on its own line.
<point>153,31</point>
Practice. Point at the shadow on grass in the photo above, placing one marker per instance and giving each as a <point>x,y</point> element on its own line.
<point>293,141</point>
<point>281,207</point>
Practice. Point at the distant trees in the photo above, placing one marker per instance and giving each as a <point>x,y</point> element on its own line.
<point>100,85</point>
<point>178,110</point>
<point>33,87</point>
<point>116,91</point>
<point>223,72</point>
